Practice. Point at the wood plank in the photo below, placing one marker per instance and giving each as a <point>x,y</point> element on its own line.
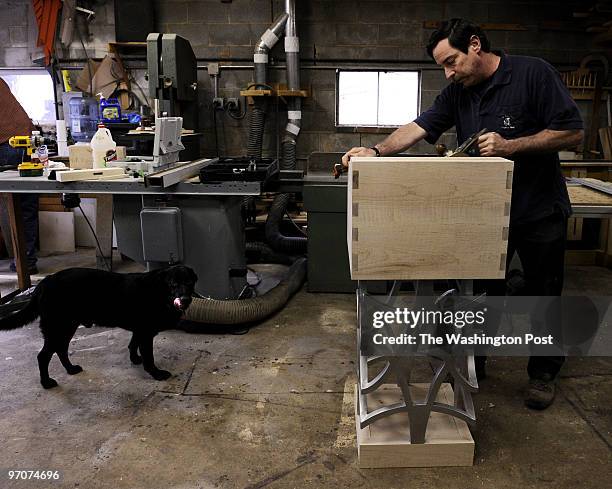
<point>428,218</point>
<point>104,230</point>
<point>386,442</point>
<point>588,196</point>
<point>13,204</point>
<point>90,174</point>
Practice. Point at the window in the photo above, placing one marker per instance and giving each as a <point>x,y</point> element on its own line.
<point>376,98</point>
<point>34,91</point>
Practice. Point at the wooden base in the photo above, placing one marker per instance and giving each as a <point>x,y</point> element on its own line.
<point>385,443</point>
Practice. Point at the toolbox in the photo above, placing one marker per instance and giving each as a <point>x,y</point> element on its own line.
<point>240,169</point>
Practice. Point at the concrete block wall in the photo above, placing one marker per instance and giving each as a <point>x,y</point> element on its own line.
<point>18,34</point>
<point>333,33</point>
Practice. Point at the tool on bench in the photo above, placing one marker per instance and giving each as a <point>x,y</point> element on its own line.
<point>339,169</point>
<point>467,144</point>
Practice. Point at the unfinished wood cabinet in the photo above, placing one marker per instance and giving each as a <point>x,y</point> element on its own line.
<point>418,218</point>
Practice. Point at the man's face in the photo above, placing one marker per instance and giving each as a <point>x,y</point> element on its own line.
<point>459,67</point>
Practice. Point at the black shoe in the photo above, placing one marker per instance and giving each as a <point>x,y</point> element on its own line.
<point>540,393</point>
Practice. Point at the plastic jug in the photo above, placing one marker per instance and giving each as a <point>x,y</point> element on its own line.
<point>103,148</point>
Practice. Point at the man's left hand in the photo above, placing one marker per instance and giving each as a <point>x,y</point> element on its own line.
<point>492,144</point>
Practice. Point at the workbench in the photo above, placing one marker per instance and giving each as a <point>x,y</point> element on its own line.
<point>118,190</point>
<point>325,202</point>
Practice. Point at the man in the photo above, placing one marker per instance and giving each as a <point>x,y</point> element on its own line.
<point>14,121</point>
<point>530,116</point>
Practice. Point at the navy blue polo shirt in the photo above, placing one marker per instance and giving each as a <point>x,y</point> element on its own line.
<point>523,97</point>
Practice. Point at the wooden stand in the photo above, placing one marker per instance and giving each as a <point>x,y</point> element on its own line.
<point>386,443</point>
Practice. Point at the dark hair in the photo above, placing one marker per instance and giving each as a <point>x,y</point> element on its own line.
<point>459,32</point>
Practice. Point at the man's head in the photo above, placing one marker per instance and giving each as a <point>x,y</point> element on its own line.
<point>460,46</point>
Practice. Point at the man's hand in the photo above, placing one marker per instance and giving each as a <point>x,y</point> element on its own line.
<point>492,144</point>
<point>357,151</point>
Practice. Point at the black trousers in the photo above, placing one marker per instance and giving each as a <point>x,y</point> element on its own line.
<point>29,209</point>
<point>540,246</point>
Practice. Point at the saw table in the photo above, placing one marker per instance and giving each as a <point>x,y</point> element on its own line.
<point>210,215</point>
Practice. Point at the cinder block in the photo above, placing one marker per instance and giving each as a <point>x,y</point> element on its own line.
<point>339,142</point>
<point>16,57</point>
<point>171,12</point>
<point>401,35</point>
<point>325,100</point>
<point>230,35</point>
<point>307,143</point>
<point>476,12</point>
<point>433,79</point>
<point>258,29</point>
<point>413,53</point>
<point>241,52</point>
<point>317,33</point>
<point>250,11</point>
<point>210,52</point>
<point>381,12</point>
<point>5,40</point>
<point>208,11</point>
<point>15,14</point>
<point>235,78</point>
<point>356,33</point>
<point>322,79</point>
<point>318,122</point>
<point>196,33</point>
<point>380,53</point>
<point>337,53</point>
<point>18,37</point>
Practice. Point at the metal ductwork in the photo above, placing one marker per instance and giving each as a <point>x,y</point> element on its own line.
<point>257,116</point>
<point>294,105</point>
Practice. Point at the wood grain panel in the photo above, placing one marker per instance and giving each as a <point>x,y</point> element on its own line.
<point>428,218</point>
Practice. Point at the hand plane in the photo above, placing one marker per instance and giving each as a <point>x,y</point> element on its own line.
<point>467,144</point>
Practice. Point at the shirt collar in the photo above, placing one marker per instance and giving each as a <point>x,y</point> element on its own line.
<point>503,74</point>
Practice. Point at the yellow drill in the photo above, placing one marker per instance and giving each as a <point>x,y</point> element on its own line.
<point>31,143</point>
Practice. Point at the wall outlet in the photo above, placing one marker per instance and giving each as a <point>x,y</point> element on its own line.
<point>218,103</point>
<point>233,104</point>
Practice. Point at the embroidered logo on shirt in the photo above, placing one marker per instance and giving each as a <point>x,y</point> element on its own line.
<point>507,122</point>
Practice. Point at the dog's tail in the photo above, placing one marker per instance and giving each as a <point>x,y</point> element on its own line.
<point>14,319</point>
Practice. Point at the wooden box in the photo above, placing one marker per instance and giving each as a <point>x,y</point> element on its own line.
<point>412,218</point>
<point>386,442</point>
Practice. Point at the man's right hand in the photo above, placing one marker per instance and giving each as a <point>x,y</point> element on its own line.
<point>357,151</point>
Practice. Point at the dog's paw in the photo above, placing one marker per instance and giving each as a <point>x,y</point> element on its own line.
<point>48,383</point>
<point>136,359</point>
<point>74,369</point>
<point>161,375</point>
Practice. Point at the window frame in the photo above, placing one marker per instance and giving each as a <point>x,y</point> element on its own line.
<point>368,127</point>
<point>7,70</point>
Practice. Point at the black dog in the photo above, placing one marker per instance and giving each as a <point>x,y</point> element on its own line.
<point>144,303</point>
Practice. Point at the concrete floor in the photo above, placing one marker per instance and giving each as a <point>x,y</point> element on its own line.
<point>273,408</point>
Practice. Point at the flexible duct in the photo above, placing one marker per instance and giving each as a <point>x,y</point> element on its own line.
<point>258,252</point>
<point>295,245</point>
<point>214,311</point>
<point>257,116</point>
<point>257,122</point>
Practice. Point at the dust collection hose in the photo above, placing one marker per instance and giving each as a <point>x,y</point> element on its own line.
<point>257,121</point>
<point>242,311</point>
<point>258,252</point>
<point>295,245</point>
